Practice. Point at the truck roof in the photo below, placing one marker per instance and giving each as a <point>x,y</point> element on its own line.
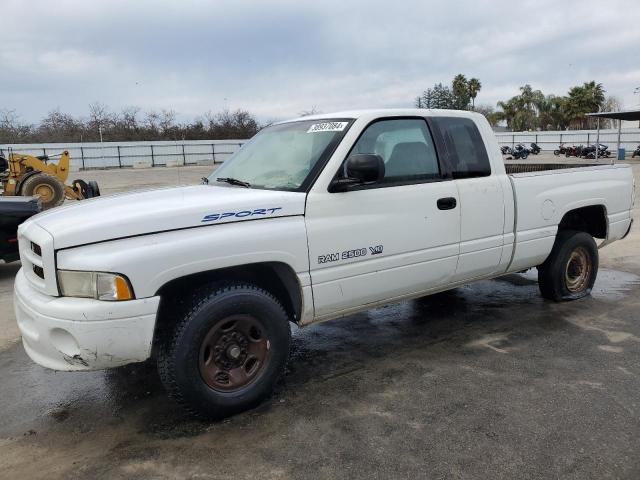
<point>370,114</point>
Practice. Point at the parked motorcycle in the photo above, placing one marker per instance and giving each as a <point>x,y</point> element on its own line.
<point>535,149</point>
<point>505,150</point>
<point>574,151</point>
<point>636,152</point>
<point>561,150</point>
<point>590,151</point>
<point>520,152</point>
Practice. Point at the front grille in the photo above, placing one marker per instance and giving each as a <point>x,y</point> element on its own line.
<point>36,254</point>
<point>35,248</point>
<point>39,271</point>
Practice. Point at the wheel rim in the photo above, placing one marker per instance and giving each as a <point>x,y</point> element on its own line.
<point>578,270</point>
<point>44,191</point>
<point>234,353</point>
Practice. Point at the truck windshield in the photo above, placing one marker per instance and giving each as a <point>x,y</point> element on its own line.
<point>282,157</point>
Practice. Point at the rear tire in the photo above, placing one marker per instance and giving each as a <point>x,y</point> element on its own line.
<point>47,187</point>
<point>227,351</point>
<point>571,269</point>
<point>92,189</point>
<point>93,185</point>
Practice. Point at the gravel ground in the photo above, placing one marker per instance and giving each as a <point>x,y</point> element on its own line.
<point>485,381</point>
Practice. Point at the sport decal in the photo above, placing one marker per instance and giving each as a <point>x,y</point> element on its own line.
<point>214,217</point>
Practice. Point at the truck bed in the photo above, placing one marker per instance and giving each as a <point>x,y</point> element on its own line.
<point>544,192</point>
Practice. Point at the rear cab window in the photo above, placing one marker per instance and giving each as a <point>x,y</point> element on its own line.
<point>466,152</point>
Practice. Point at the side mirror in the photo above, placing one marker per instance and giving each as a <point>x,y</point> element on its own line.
<point>360,168</point>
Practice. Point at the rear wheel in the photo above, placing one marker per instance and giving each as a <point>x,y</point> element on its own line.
<point>227,351</point>
<point>47,187</point>
<point>571,269</point>
<point>92,189</point>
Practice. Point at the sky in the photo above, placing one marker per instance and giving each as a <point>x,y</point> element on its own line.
<point>277,59</point>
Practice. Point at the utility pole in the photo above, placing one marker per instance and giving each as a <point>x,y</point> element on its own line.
<point>636,91</point>
<point>101,145</point>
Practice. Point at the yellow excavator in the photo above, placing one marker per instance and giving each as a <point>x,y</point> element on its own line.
<point>28,176</point>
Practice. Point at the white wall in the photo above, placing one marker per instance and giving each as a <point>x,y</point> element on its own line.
<point>629,138</point>
<point>194,152</point>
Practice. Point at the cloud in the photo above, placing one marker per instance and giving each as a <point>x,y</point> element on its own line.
<point>278,58</point>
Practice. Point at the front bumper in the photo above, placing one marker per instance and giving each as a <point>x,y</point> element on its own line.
<point>68,334</point>
<point>628,229</point>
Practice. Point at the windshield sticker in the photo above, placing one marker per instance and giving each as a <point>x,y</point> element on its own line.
<point>327,127</point>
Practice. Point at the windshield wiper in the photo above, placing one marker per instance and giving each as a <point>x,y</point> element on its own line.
<point>233,181</point>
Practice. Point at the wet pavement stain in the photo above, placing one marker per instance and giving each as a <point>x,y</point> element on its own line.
<point>486,369</point>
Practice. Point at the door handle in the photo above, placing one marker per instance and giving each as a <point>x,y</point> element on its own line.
<point>447,203</point>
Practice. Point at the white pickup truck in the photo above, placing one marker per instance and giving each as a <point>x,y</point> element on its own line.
<point>313,219</point>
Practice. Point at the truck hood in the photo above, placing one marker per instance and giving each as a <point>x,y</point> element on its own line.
<point>144,212</point>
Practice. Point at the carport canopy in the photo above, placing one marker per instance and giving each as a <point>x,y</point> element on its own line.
<point>630,115</point>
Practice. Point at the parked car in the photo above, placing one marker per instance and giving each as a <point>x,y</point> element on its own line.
<point>314,219</point>
<point>14,211</point>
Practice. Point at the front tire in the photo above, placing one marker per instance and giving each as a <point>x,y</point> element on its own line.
<point>571,269</point>
<point>227,351</point>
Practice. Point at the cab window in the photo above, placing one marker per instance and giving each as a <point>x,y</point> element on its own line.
<point>406,147</point>
<point>467,154</point>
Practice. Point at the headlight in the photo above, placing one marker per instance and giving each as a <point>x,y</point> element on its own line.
<point>98,285</point>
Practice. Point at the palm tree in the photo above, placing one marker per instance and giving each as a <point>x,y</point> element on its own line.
<point>474,86</point>
<point>508,113</point>
<point>584,99</point>
<point>460,89</point>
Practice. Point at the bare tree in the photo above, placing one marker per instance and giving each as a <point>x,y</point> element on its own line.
<point>313,111</point>
<point>611,104</point>
<point>128,124</point>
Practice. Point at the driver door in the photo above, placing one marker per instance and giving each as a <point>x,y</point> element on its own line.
<point>393,238</point>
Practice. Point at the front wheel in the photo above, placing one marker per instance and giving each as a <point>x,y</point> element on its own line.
<point>227,351</point>
<point>571,269</point>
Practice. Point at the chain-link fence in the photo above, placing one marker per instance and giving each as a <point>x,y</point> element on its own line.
<point>129,154</point>
<point>197,152</point>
